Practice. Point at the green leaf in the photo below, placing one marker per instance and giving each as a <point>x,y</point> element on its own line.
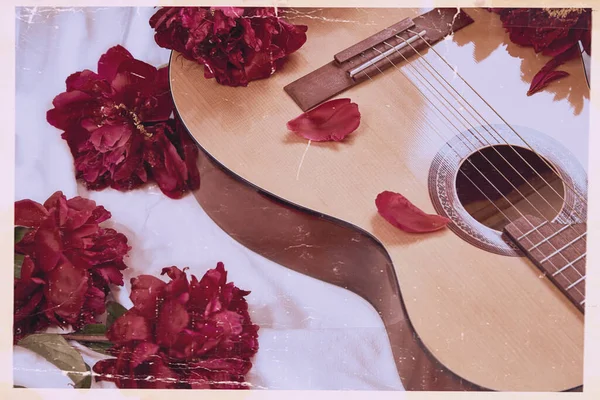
<point>114,310</point>
<point>18,265</point>
<point>56,350</point>
<point>20,231</point>
<point>93,329</point>
<point>86,381</point>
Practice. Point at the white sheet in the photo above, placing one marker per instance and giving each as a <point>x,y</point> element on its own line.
<point>313,335</point>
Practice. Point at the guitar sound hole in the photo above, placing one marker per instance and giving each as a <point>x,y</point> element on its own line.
<point>500,183</point>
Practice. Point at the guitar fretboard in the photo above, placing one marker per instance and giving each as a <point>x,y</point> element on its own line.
<point>558,250</point>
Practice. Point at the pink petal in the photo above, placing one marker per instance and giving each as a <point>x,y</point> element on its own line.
<point>107,137</point>
<point>66,289</point>
<point>179,283</point>
<point>145,292</point>
<point>81,81</point>
<point>547,73</point>
<point>332,120</point>
<point>132,72</point>
<point>48,246</point>
<point>142,352</point>
<point>168,168</point>
<point>229,321</point>
<point>172,319</point>
<point>109,62</point>
<point>164,377</point>
<point>543,78</point>
<point>57,205</point>
<point>29,213</point>
<point>27,268</point>
<point>401,213</point>
<point>111,275</point>
<point>128,327</point>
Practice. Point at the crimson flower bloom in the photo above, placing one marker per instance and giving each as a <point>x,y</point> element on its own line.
<point>118,127</point>
<point>330,121</point>
<point>69,263</point>
<point>553,32</point>
<point>182,334</point>
<point>235,45</point>
<point>401,213</point>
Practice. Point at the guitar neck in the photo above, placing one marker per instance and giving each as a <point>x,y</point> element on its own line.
<point>558,250</point>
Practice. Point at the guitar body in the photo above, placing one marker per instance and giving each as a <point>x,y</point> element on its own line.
<point>483,314</point>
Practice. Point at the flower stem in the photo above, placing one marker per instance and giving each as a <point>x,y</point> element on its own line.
<point>85,338</point>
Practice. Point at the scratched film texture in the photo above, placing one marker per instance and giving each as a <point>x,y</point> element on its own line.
<point>312,335</point>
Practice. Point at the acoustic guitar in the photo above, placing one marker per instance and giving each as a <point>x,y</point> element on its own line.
<point>494,301</point>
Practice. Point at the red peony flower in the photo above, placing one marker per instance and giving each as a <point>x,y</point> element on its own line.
<point>553,32</point>
<point>235,45</point>
<point>182,334</point>
<point>401,213</point>
<point>330,121</point>
<point>117,125</point>
<point>69,263</point>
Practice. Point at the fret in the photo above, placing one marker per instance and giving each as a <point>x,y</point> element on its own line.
<point>550,237</point>
<point>572,285</point>
<point>562,248</point>
<point>569,264</point>
<point>558,250</point>
<point>532,230</point>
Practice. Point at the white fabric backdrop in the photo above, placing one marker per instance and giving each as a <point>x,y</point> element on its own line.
<point>313,335</point>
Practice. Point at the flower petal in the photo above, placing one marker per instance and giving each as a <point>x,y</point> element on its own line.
<point>145,293</point>
<point>133,72</point>
<point>142,352</point>
<point>168,167</point>
<point>48,246</point>
<point>66,289</point>
<point>172,319</point>
<point>547,73</point>
<point>109,62</point>
<point>29,213</point>
<point>129,327</point>
<point>401,213</point>
<point>330,121</point>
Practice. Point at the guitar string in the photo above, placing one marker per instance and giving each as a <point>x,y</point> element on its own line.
<point>423,59</point>
<point>475,185</point>
<point>490,144</point>
<point>477,151</point>
<point>557,270</point>
<point>457,153</point>
<point>492,108</point>
<point>579,236</point>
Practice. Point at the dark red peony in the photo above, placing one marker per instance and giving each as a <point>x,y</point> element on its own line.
<point>235,45</point>
<point>552,32</point>
<point>118,126</point>
<point>182,334</point>
<point>69,263</point>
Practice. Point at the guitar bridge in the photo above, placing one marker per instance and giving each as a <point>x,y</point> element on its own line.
<point>375,54</point>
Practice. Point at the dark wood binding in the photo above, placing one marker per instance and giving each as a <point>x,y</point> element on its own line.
<point>333,78</point>
<point>561,247</point>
